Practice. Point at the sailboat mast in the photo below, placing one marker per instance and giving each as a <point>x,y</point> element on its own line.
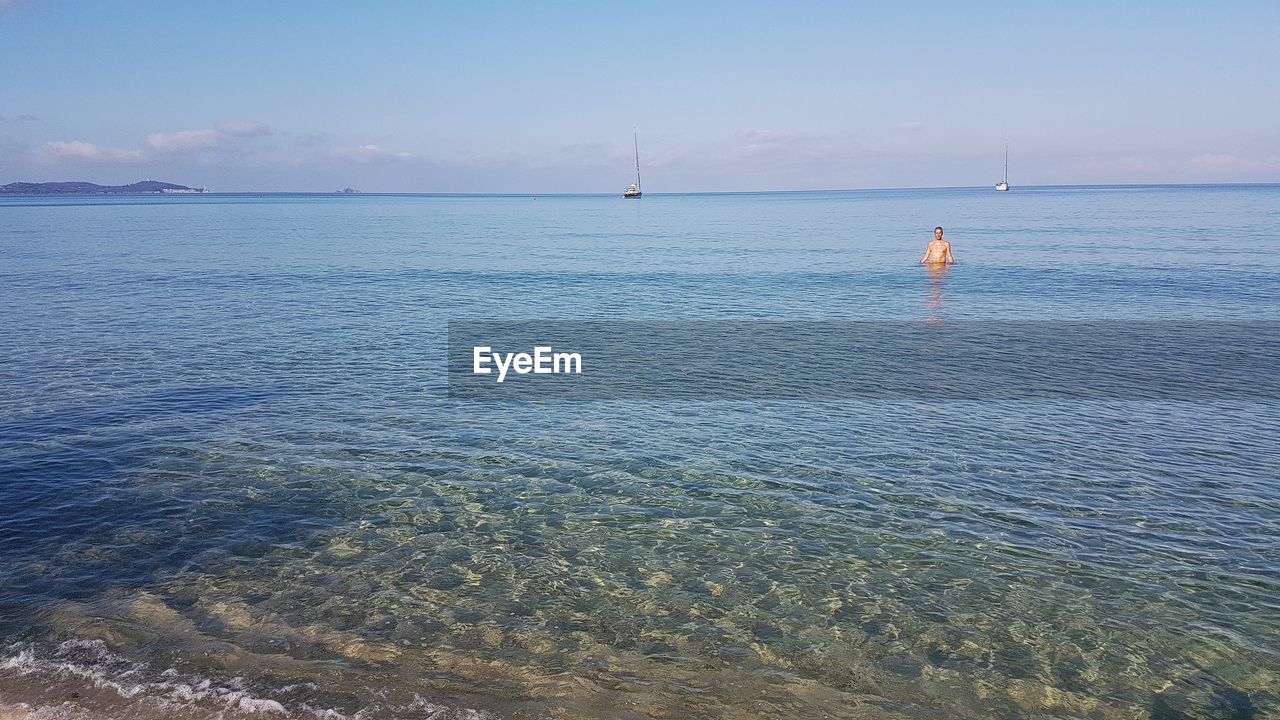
<point>636,141</point>
<point>1006,163</point>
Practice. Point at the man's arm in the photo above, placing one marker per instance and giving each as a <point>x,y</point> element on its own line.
<point>950,258</point>
<point>925,256</point>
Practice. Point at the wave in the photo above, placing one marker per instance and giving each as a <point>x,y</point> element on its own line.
<point>85,680</point>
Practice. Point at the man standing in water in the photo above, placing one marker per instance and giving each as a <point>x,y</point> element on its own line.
<point>938,251</point>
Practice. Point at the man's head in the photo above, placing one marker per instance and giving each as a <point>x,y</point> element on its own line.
<point>937,233</point>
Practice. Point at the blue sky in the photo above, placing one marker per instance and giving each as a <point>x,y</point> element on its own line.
<point>542,97</point>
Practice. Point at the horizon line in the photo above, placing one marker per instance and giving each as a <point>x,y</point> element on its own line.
<point>411,193</point>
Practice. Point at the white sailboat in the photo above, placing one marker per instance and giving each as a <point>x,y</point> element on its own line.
<point>633,190</point>
<point>1004,184</point>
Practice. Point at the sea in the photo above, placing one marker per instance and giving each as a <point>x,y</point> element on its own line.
<point>234,483</point>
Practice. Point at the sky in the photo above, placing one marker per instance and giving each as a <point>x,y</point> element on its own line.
<point>520,97</point>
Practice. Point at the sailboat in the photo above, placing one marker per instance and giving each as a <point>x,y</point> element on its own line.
<point>633,190</point>
<point>1004,184</point>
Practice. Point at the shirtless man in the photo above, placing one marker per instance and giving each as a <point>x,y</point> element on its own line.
<point>938,251</point>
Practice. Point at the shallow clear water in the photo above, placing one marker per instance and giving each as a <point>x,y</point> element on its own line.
<point>230,479</point>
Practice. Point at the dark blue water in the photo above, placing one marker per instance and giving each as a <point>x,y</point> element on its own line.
<point>231,481</point>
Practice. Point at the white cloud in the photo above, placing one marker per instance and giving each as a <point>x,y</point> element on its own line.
<point>1216,160</point>
<point>370,154</point>
<point>765,149</point>
<point>193,141</point>
<point>1123,166</point>
<point>758,142</point>
<point>244,129</point>
<point>74,149</point>
<point>21,121</point>
<point>310,139</point>
<point>1236,166</point>
<point>185,141</point>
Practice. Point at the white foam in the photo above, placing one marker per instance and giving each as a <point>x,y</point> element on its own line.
<point>19,662</point>
<point>442,712</point>
<point>256,705</point>
<point>91,661</point>
<point>104,670</point>
<point>329,714</point>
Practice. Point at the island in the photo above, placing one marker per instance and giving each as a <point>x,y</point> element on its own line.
<point>145,187</point>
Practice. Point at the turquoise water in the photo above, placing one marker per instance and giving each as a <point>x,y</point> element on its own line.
<point>230,480</point>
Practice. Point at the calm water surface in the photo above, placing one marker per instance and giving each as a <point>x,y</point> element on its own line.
<point>230,481</point>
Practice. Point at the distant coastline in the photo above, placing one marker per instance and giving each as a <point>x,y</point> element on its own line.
<point>145,187</point>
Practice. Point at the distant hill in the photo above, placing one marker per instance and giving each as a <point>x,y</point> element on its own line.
<point>146,187</point>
